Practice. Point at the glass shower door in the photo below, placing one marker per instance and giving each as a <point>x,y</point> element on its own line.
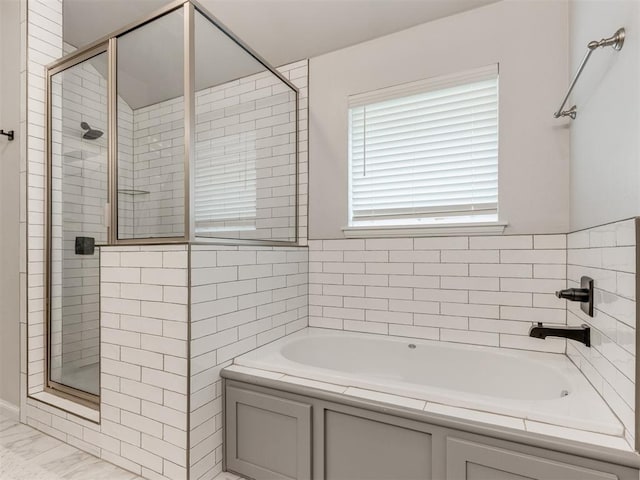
<point>79,194</point>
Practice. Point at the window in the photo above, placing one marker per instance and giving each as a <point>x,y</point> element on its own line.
<point>225,184</point>
<point>425,153</point>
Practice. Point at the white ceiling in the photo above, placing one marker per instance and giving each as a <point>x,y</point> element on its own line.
<point>150,60</point>
<point>282,31</point>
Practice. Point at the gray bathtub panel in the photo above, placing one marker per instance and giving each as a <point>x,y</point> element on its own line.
<point>267,437</point>
<point>358,448</point>
<point>597,452</point>
<point>472,461</point>
<point>367,440</point>
<point>481,472</point>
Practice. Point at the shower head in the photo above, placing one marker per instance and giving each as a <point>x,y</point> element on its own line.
<point>90,133</point>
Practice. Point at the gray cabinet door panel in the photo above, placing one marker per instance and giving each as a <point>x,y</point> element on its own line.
<point>267,437</point>
<point>472,461</point>
<point>482,472</point>
<point>357,448</point>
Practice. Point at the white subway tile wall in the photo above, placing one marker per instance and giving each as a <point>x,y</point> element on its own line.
<point>55,36</point>
<point>608,255</point>
<point>241,298</point>
<point>145,304</point>
<point>245,154</point>
<point>126,171</point>
<point>479,290</point>
<point>144,371</point>
<point>248,122</point>
<point>41,24</point>
<point>79,192</point>
<point>157,174</point>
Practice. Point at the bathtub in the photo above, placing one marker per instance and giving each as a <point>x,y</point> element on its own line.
<point>529,385</point>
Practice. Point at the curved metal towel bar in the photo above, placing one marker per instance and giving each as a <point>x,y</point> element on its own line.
<point>616,41</point>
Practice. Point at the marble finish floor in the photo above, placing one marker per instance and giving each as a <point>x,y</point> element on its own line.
<point>27,454</point>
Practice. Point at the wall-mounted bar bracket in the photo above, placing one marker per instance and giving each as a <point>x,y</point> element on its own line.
<point>616,41</point>
<point>9,134</point>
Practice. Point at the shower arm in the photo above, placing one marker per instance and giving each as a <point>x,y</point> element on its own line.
<point>616,41</point>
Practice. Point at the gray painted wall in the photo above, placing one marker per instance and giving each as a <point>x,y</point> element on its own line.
<point>9,200</point>
<point>605,146</point>
<point>534,147</point>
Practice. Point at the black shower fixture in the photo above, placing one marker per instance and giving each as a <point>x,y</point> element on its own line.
<point>90,133</point>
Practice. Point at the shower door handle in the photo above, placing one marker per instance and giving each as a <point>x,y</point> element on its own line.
<point>107,215</point>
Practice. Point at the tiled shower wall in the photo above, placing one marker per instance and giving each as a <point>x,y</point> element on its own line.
<point>144,355</point>
<point>608,255</point>
<point>126,191</point>
<point>248,122</point>
<point>80,193</point>
<point>144,374</point>
<point>144,415</point>
<point>158,169</point>
<point>241,298</point>
<point>41,23</point>
<point>478,290</point>
<point>245,134</point>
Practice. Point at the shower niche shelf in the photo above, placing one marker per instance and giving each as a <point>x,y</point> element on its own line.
<point>133,192</point>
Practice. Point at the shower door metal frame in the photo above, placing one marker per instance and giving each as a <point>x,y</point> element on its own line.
<point>51,386</point>
<point>113,139</point>
<point>190,53</point>
<point>190,7</point>
<point>109,45</point>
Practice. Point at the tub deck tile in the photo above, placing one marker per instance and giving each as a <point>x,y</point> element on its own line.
<point>386,398</point>
<point>330,387</point>
<point>256,372</point>
<point>610,441</point>
<point>476,415</point>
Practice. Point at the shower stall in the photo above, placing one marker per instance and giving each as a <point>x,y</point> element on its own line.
<point>168,131</point>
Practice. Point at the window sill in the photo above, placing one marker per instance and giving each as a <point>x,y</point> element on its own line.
<point>444,230</point>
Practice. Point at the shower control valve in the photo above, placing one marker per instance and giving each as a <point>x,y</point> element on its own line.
<point>584,295</point>
<point>574,294</point>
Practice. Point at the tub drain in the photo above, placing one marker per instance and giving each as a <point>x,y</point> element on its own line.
<point>412,346</point>
<point>564,393</point>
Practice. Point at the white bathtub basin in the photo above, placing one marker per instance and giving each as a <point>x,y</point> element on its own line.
<point>529,385</point>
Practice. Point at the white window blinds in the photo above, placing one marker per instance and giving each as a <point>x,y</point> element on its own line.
<point>428,149</point>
